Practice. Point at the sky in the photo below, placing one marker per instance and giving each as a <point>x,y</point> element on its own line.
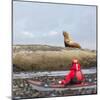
<point>43,23</point>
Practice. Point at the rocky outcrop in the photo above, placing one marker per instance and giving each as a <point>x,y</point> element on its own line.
<point>44,57</point>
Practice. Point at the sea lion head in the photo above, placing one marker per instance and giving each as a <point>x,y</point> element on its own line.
<point>67,36</point>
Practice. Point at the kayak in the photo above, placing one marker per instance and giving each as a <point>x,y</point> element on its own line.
<point>41,86</point>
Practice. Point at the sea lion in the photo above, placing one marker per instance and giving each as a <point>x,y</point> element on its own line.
<point>69,42</point>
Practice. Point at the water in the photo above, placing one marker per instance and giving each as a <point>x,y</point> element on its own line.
<point>23,75</point>
<point>22,89</point>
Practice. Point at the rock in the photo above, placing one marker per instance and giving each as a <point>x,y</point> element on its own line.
<point>50,58</point>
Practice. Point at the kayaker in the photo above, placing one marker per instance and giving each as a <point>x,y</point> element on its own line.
<point>75,75</point>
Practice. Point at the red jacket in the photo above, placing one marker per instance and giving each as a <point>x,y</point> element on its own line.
<point>75,71</point>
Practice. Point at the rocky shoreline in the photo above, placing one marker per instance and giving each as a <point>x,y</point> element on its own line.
<point>49,58</point>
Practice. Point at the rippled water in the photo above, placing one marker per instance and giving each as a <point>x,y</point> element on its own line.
<point>48,73</point>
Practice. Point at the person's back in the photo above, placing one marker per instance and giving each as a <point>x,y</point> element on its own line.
<point>75,75</point>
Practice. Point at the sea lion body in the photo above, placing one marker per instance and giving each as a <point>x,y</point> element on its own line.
<point>69,42</point>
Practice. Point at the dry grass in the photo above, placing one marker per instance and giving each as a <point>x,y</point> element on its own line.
<point>54,58</point>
